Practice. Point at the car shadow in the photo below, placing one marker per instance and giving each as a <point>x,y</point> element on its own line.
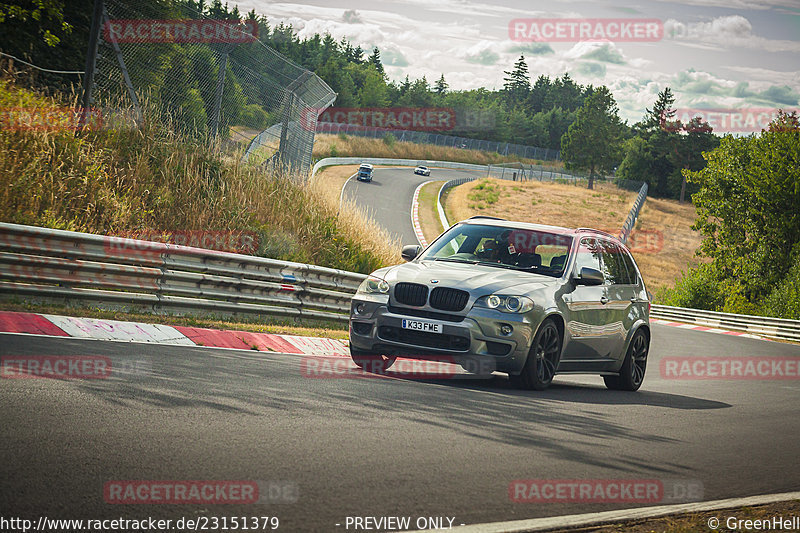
<point>591,394</point>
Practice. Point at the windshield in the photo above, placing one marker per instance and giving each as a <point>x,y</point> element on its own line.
<point>502,247</point>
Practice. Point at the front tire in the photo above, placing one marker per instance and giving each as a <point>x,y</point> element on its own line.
<point>631,375</point>
<point>543,358</point>
<point>371,362</point>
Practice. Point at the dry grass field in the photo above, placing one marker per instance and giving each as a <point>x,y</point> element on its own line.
<point>663,242</point>
<point>327,145</point>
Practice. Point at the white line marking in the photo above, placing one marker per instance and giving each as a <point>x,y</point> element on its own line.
<point>415,214</point>
<point>341,194</point>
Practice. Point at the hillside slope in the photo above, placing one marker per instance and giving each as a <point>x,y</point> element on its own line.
<point>152,180</point>
<point>663,242</point>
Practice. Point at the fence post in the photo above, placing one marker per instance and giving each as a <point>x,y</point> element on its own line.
<point>124,69</point>
<point>91,61</point>
<point>223,66</point>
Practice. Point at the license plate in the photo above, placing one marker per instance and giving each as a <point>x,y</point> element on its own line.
<point>418,325</point>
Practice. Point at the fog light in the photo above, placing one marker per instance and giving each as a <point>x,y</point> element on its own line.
<point>360,309</point>
<point>505,329</point>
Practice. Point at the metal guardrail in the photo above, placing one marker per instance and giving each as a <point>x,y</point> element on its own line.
<point>439,139</point>
<point>331,161</point>
<point>65,265</point>
<point>439,207</point>
<point>630,222</point>
<point>496,171</point>
<point>778,328</point>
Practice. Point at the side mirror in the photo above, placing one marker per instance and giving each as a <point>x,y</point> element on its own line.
<point>410,251</point>
<point>590,276</point>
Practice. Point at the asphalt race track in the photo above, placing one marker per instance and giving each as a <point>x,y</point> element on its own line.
<point>380,446</point>
<point>388,197</point>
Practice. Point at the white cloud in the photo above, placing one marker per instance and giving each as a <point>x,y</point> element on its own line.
<point>606,52</point>
<point>724,33</point>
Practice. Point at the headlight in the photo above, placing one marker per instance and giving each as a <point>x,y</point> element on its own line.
<point>373,285</point>
<point>506,303</point>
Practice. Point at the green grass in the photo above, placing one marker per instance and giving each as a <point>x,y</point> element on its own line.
<point>486,193</point>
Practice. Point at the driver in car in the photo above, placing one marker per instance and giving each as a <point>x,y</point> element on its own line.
<point>490,250</point>
<point>495,249</point>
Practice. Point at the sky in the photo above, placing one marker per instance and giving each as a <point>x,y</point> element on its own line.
<point>722,54</point>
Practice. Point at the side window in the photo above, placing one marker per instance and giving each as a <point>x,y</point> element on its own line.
<point>633,278</point>
<point>588,255</point>
<point>614,268</point>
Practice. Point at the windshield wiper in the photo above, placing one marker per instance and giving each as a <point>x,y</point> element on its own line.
<point>532,270</point>
<point>467,261</point>
<point>500,265</point>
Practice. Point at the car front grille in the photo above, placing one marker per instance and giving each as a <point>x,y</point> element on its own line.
<point>411,294</point>
<point>448,299</point>
<point>424,338</point>
<point>421,313</point>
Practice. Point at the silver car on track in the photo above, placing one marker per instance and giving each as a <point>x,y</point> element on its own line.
<point>526,299</point>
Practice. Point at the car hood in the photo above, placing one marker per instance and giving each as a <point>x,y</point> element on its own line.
<point>478,278</point>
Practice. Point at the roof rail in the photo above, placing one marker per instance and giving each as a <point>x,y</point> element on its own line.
<point>486,216</point>
<point>596,231</point>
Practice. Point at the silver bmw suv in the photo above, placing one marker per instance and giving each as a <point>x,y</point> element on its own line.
<point>526,299</point>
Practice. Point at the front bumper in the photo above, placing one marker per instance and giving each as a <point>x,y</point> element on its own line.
<point>475,338</point>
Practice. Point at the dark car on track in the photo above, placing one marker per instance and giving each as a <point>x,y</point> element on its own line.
<point>529,300</point>
<point>364,172</point>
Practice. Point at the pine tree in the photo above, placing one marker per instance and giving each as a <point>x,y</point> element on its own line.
<point>592,141</point>
<point>662,115</point>
<point>441,85</point>
<point>517,84</point>
<point>375,60</point>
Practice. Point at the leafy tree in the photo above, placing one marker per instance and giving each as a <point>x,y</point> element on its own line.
<point>45,17</point>
<point>695,137</point>
<point>592,141</point>
<point>668,147</point>
<point>417,95</point>
<point>749,207</point>
<point>373,92</point>
<point>538,94</point>
<point>564,93</point>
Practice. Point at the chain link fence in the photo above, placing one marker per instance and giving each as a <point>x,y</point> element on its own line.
<point>421,137</point>
<point>208,77</point>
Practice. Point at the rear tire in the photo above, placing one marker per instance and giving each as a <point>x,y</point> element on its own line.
<point>631,375</point>
<point>371,362</point>
<point>543,358</point>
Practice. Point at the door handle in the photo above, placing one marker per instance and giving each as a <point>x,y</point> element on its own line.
<point>603,300</point>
